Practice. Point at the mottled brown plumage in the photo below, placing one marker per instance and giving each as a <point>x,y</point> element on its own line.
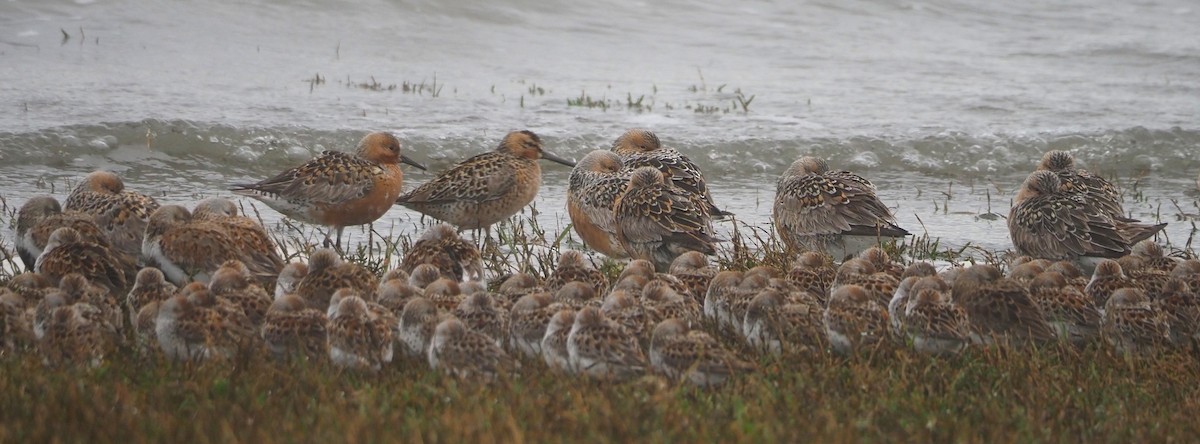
<point>692,356</point>
<point>1046,222</point>
<point>486,188</point>
<point>40,216</point>
<point>777,322</point>
<point>999,308</point>
<point>120,214</point>
<point>595,184</point>
<point>1069,311</point>
<point>328,273</point>
<point>257,249</point>
<point>186,249</point>
<point>150,286</point>
<point>441,247</point>
<point>293,330</point>
<point>1132,325</point>
<point>834,211</point>
<point>66,252</point>
<point>657,223</point>
<point>640,148</point>
<point>464,353</point>
<point>573,266</point>
<point>854,320</point>
<point>338,189</point>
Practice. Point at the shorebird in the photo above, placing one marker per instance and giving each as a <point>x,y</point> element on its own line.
<point>936,324</point>
<point>527,323</point>
<point>249,237</point>
<point>463,353</point>
<point>600,348</point>
<point>831,211</point>
<point>656,222</point>
<point>555,351</point>
<point>67,252</point>
<point>573,266</point>
<point>39,217</point>
<point>641,148</point>
<point>289,278</point>
<point>149,286</point>
<point>596,183</point>
<point>1133,325</point>
<point>187,330</point>
<point>776,321</point>
<point>694,270</point>
<point>486,188</point>
<point>328,273</point>
<point>357,341</point>
<point>186,249</point>
<point>338,189</point>
<point>813,272</point>
<point>854,320</point>
<point>1068,310</point>
<point>478,312</point>
<point>122,215</point>
<point>291,328</point>
<point>1095,190</point>
<point>417,321</point>
<point>690,355</point>
<point>1048,223</point>
<point>999,308</point>
<point>442,247</point>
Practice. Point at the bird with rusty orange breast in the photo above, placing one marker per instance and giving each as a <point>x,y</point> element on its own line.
<point>486,188</point>
<point>656,222</point>
<point>338,189</point>
<point>122,215</point>
<point>596,183</point>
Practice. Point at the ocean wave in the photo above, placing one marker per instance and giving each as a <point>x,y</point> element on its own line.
<point>1168,152</point>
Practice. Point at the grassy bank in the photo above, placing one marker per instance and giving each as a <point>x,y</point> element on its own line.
<point>984,395</point>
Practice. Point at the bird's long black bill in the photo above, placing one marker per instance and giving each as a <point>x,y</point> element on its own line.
<point>553,158</point>
<point>406,159</point>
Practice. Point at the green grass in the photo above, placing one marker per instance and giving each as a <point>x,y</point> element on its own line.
<point>984,395</point>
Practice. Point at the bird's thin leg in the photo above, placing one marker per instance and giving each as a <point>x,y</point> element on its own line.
<point>327,242</point>
<point>338,246</point>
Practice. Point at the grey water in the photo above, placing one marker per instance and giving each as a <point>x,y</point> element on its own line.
<point>946,105</point>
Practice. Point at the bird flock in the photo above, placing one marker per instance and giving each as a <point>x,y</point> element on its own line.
<point>111,269</point>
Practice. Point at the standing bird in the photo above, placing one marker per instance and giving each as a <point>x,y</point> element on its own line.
<point>656,222</point>
<point>122,215</point>
<point>486,188</point>
<point>641,148</point>
<point>338,189</point>
<point>832,211</point>
<point>596,183</point>
<point>1048,223</point>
